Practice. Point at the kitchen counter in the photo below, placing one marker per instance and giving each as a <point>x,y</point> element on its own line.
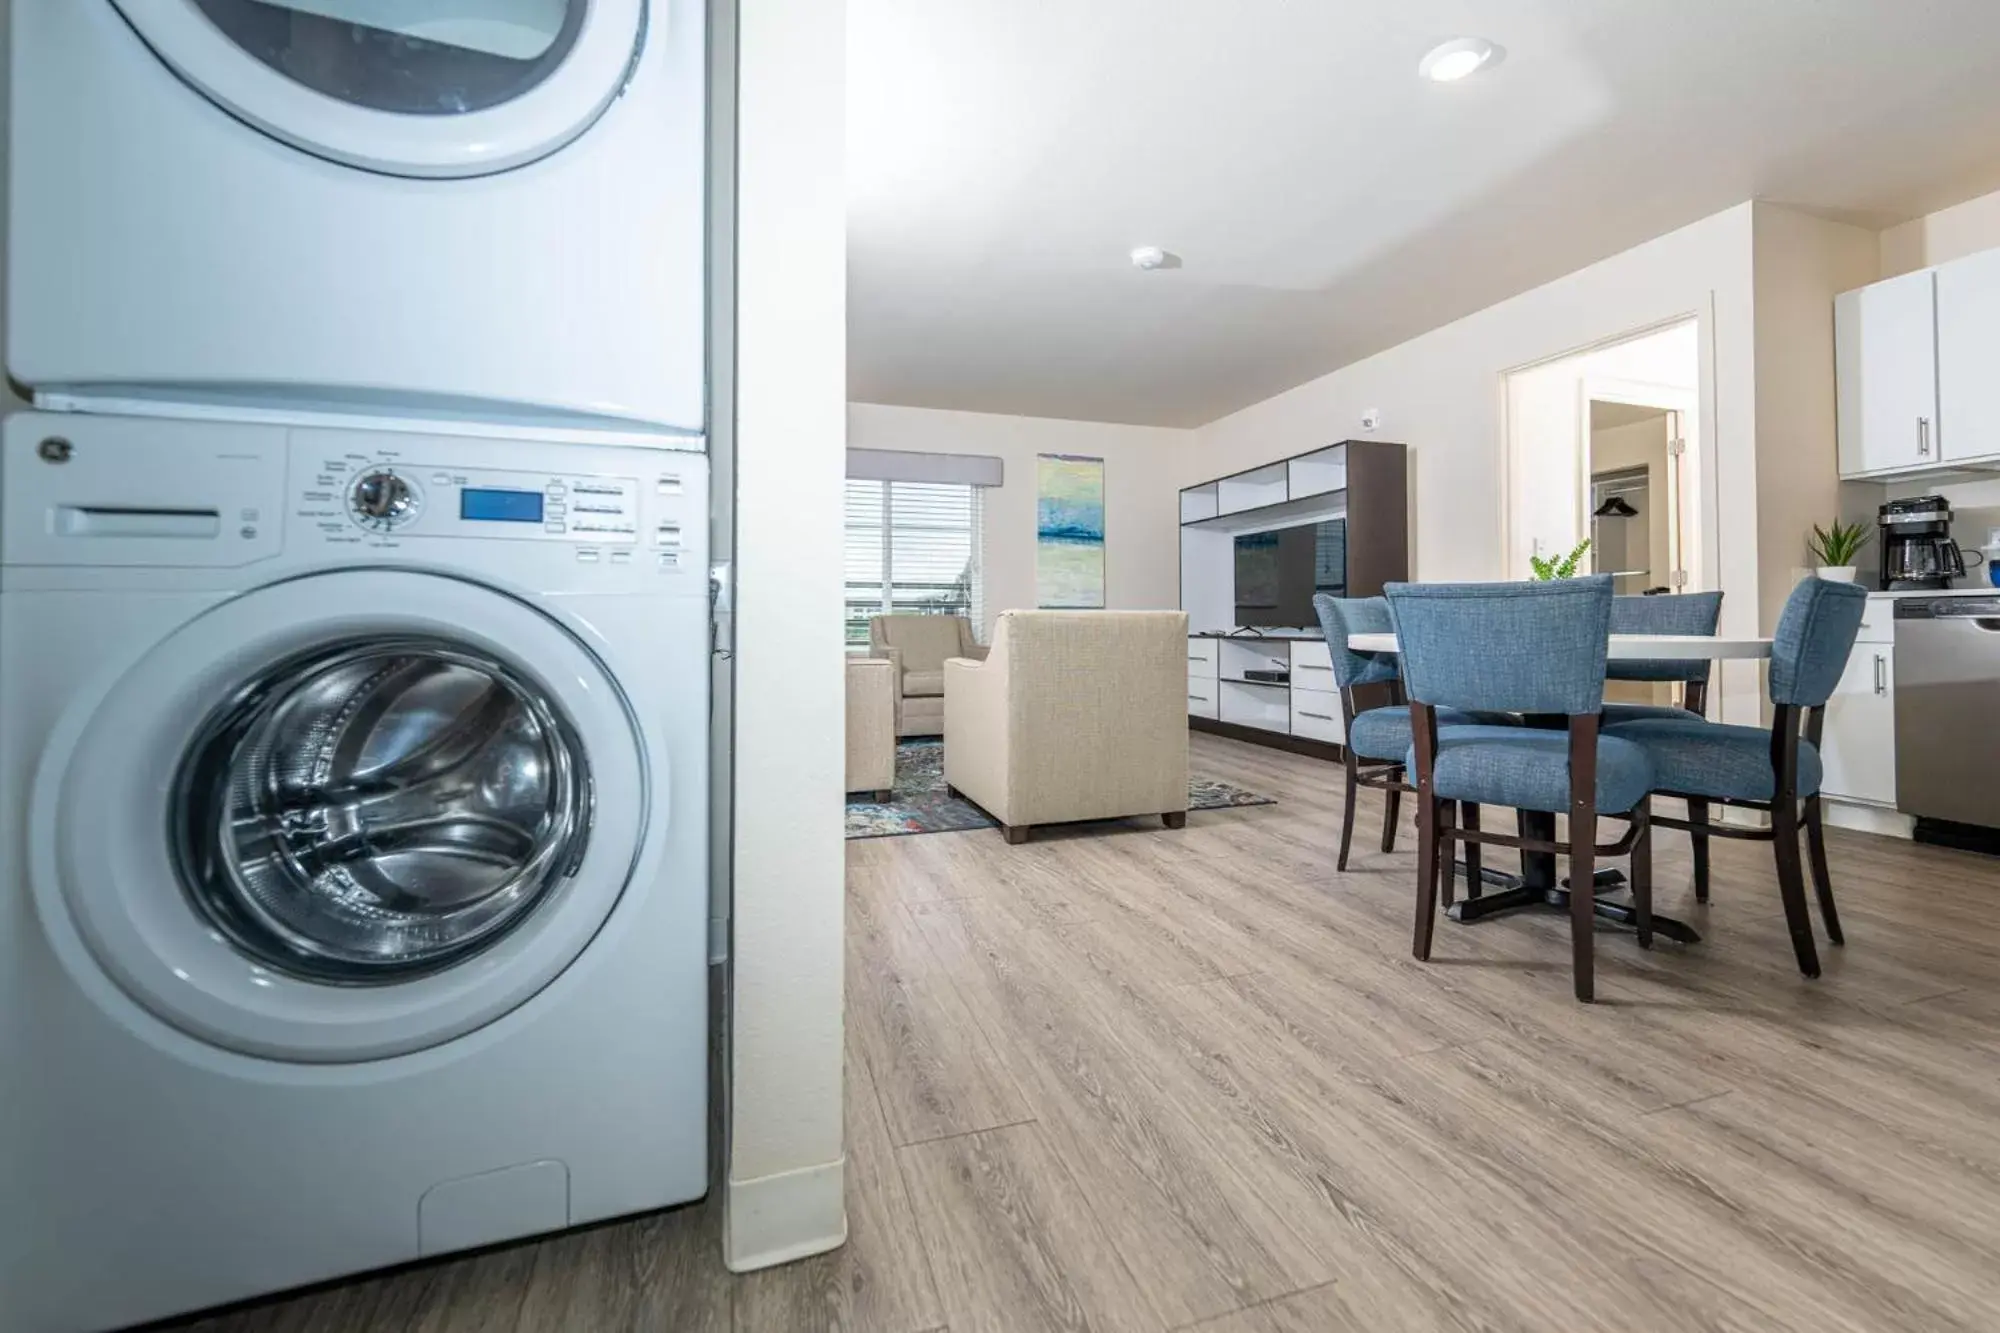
<point>1967,590</point>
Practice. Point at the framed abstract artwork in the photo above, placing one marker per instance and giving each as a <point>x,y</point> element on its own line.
<point>1069,532</point>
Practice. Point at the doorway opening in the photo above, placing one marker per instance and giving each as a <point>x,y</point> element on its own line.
<point>1604,445</point>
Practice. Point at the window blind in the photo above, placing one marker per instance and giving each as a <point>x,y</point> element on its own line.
<point>912,548</point>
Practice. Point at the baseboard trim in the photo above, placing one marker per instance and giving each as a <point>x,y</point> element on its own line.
<point>1867,818</point>
<point>780,1219</point>
<point>1274,740</point>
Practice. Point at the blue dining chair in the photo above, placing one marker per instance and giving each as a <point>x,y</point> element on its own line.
<point>1378,736</point>
<point>1773,770</point>
<point>1536,649</point>
<point>1664,613</point>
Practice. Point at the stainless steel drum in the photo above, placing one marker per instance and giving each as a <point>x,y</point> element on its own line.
<point>379,809</point>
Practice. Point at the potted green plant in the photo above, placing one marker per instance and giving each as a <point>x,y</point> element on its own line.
<point>1564,567</point>
<point>1833,549</point>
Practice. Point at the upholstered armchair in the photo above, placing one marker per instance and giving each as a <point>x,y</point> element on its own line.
<point>918,647</point>
<point>1075,715</point>
<point>871,728</point>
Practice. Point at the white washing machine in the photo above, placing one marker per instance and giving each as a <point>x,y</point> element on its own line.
<point>353,902</point>
<point>483,209</point>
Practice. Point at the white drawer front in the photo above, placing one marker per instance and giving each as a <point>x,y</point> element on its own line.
<point>1202,657</point>
<point>1311,654</point>
<point>1254,706</point>
<point>1311,670</point>
<point>1201,697</point>
<point>1316,715</point>
<point>1878,621</point>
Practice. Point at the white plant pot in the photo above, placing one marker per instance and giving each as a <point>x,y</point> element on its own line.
<point>1837,573</point>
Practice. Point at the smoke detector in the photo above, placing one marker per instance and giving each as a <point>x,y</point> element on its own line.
<point>1151,257</point>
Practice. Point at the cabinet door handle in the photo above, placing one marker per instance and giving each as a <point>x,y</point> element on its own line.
<point>1924,436</point>
<point>1881,674</point>
<point>1322,717</point>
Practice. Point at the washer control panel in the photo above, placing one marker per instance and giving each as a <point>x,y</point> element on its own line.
<point>393,497</point>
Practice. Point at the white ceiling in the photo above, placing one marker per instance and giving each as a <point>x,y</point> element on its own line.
<point>1005,155</point>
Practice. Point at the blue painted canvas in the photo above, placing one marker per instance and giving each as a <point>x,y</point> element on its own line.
<point>1069,532</point>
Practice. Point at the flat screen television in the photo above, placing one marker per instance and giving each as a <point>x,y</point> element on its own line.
<point>1277,573</point>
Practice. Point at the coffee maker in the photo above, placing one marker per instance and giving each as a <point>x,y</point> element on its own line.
<point>1917,550</point>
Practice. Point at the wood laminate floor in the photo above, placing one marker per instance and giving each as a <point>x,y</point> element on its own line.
<point>1124,1078</point>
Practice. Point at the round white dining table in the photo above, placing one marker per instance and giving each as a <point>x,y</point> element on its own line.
<point>1629,647</point>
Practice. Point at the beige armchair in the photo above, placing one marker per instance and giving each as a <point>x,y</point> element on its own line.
<point>1075,715</point>
<point>871,727</point>
<point>917,647</point>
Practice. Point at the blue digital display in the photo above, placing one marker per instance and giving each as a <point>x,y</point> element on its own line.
<point>500,506</point>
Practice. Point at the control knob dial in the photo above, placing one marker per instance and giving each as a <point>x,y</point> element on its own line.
<point>382,500</point>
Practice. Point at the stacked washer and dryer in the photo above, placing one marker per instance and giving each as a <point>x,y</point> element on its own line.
<point>354,639</point>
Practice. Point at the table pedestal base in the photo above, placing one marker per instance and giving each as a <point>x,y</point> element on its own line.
<point>1536,886</point>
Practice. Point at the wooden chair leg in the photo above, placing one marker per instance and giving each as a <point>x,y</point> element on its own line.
<point>1469,812</point>
<point>1583,901</point>
<point>1447,861</point>
<point>1642,876</point>
<point>1428,822</point>
<point>1822,880</point>
<point>1389,818</point>
<point>1347,812</point>
<point>1792,886</point>
<point>1698,816</point>
<point>1174,819</point>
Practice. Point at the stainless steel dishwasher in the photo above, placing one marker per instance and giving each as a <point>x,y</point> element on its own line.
<point>1948,709</point>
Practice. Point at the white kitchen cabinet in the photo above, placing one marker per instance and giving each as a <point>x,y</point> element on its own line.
<point>1858,740</point>
<point>1886,365</point>
<point>1968,352</point>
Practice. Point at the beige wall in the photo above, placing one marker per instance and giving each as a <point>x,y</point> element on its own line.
<point>1141,507</point>
<point>1948,234</point>
<point>783,1195</point>
<point>1443,394</point>
<point>1801,264</point>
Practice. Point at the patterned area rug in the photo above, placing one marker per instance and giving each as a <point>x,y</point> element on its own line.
<point>921,805</point>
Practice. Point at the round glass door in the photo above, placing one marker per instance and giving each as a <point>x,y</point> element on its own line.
<point>379,810</point>
<point>405,87</point>
<point>419,57</point>
<point>343,817</point>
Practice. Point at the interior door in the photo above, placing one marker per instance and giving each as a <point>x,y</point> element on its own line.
<point>404,87</point>
<point>345,817</point>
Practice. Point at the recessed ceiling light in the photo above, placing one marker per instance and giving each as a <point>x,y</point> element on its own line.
<point>1458,58</point>
<point>1150,257</point>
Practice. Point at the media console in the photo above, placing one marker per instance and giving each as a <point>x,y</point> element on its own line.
<point>1354,496</point>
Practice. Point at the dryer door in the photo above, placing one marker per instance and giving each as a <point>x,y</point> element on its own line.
<point>346,817</point>
<point>406,87</point>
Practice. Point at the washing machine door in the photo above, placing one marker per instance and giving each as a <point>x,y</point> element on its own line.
<point>406,87</point>
<point>347,817</point>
